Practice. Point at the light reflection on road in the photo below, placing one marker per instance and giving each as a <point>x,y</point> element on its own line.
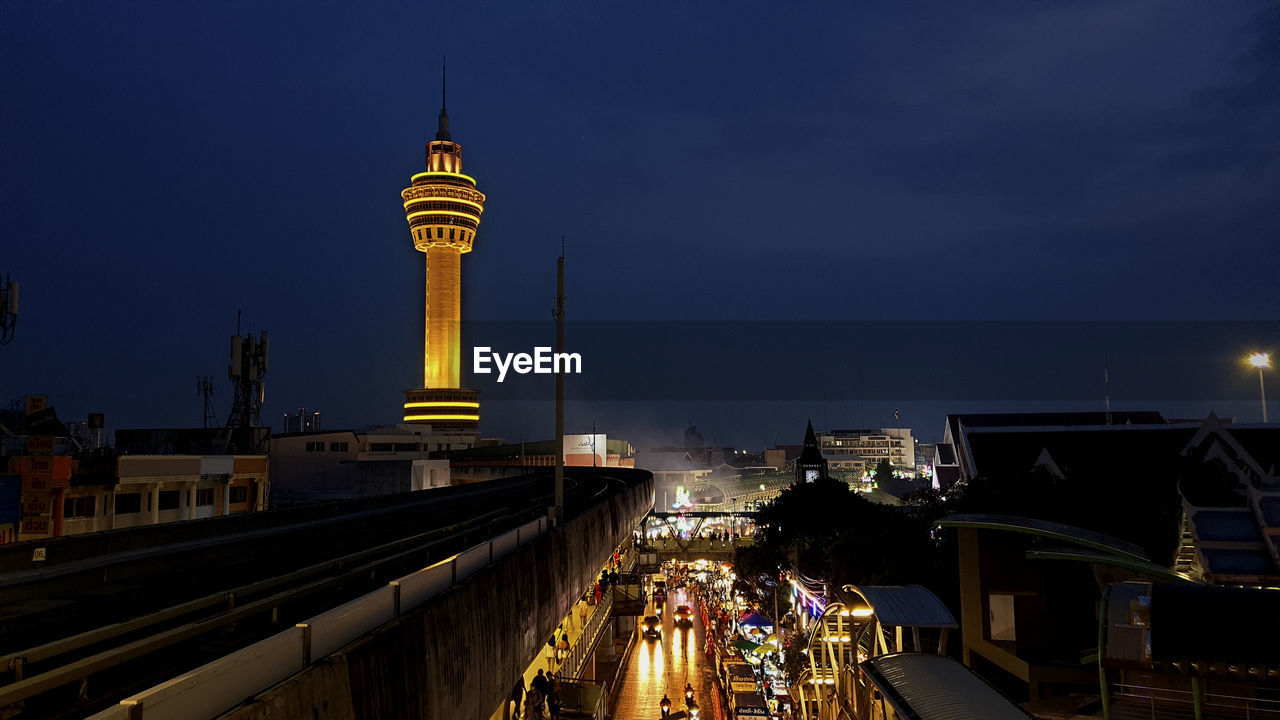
<point>664,665</point>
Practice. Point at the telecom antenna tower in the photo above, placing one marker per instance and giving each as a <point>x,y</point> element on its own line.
<point>247,368</point>
<point>204,388</point>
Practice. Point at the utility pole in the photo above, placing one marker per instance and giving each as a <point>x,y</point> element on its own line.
<point>558,312</point>
<point>8,309</point>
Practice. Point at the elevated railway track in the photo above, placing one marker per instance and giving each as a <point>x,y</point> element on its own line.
<point>108,614</point>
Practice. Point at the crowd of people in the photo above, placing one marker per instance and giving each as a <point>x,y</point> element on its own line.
<point>541,699</point>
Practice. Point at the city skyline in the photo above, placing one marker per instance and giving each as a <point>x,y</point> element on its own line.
<point>1093,163</point>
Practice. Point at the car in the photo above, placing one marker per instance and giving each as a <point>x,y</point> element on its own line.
<point>652,626</point>
<point>659,595</point>
<point>683,616</point>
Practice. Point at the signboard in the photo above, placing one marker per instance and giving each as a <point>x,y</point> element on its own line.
<point>8,533</point>
<point>41,472</point>
<point>96,421</point>
<point>39,466</point>
<point>585,450</point>
<point>40,445</point>
<point>44,422</point>
<point>740,677</point>
<point>36,525</point>
<point>36,403</point>
<point>36,484</point>
<point>37,504</point>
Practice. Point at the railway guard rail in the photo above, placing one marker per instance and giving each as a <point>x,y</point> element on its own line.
<point>219,686</point>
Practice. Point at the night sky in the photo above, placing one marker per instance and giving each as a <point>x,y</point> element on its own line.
<point>762,173</point>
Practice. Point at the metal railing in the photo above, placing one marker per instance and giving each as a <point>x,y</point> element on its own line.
<point>585,697</point>
<point>573,664</point>
<point>1134,701</point>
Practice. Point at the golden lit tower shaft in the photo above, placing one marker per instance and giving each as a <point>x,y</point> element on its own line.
<point>443,208</point>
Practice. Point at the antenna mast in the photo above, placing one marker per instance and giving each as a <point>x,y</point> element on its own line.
<point>558,313</point>
<point>1106,386</point>
<point>204,388</point>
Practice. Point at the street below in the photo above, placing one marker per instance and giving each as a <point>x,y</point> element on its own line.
<point>658,666</point>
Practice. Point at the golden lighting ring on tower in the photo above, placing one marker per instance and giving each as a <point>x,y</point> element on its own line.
<point>452,178</point>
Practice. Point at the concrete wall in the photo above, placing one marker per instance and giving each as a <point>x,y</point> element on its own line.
<point>458,655</point>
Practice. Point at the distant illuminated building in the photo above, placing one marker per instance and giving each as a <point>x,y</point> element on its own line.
<point>443,208</point>
<point>302,421</point>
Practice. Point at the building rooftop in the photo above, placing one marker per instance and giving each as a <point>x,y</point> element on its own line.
<point>899,605</point>
<point>932,687</point>
<point>1226,525</point>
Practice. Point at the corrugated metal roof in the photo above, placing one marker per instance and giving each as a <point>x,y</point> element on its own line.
<point>932,687</point>
<point>910,605</point>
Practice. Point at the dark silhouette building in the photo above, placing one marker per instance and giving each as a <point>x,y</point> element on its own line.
<point>810,465</point>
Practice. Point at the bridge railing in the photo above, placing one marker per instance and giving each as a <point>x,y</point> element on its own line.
<point>585,697</point>
<point>573,664</point>
<point>222,684</point>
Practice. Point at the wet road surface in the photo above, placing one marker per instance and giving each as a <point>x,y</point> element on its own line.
<point>664,665</point>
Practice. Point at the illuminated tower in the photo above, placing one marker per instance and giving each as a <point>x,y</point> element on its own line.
<point>443,209</point>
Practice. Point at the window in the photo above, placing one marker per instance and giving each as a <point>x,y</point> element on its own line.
<point>239,494</point>
<point>79,507</point>
<point>450,233</point>
<point>406,447</point>
<point>337,447</point>
<point>380,447</point>
<point>170,499</point>
<point>315,446</point>
<point>127,503</point>
<point>440,232</point>
<point>204,496</point>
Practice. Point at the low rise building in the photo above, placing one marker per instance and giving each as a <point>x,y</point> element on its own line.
<point>857,450</point>
<point>342,464</point>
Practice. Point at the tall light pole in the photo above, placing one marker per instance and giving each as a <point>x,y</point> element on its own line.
<point>1261,361</point>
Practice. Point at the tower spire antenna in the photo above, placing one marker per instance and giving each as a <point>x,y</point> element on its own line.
<point>442,132</point>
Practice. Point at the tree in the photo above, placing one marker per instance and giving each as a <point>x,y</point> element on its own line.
<point>884,470</point>
<point>825,530</point>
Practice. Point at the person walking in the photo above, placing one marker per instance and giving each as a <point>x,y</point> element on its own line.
<point>553,700</point>
<point>532,703</point>
<point>562,647</point>
<point>517,696</point>
<point>540,685</point>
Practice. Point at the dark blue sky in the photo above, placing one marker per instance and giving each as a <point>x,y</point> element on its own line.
<point>168,163</point>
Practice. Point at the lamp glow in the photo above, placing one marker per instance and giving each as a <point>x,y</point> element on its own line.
<point>1261,361</point>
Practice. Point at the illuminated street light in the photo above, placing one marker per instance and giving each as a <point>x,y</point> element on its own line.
<point>1261,361</point>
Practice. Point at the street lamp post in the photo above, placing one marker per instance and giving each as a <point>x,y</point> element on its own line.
<point>1261,361</point>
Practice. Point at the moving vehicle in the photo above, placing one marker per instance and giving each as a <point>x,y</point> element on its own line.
<point>659,590</point>
<point>683,616</point>
<point>652,626</point>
